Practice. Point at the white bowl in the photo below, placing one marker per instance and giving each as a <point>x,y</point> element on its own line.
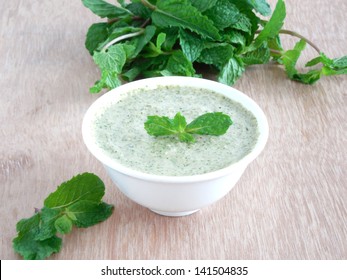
<point>174,195</point>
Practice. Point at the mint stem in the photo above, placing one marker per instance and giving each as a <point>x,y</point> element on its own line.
<point>144,24</point>
<point>113,20</point>
<point>149,5</point>
<point>120,38</point>
<point>295,34</point>
<point>276,51</point>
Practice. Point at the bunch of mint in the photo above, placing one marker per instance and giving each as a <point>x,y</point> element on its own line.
<point>76,202</point>
<point>150,38</point>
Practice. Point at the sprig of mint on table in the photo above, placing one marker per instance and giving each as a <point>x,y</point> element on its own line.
<point>150,38</point>
<point>76,202</point>
<point>215,123</point>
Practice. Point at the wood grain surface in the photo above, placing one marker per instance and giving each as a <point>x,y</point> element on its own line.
<point>291,203</point>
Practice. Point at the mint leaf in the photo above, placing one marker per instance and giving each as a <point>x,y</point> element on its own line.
<point>258,56</point>
<point>89,213</point>
<point>235,37</point>
<point>243,23</point>
<point>179,64</point>
<point>28,246</point>
<point>327,71</point>
<point>160,126</point>
<point>112,59</point>
<point>186,137</point>
<point>223,14</point>
<point>105,9</point>
<point>231,71</point>
<point>108,79</point>
<point>111,63</point>
<point>180,13</point>
<point>97,33</point>
<point>86,186</point>
<point>134,71</point>
<point>63,224</point>
<point>216,54</point>
<point>48,217</point>
<point>261,6</point>
<point>141,41</point>
<point>308,78</point>
<point>191,45</point>
<point>290,58</point>
<point>210,124</point>
<point>333,64</point>
<point>207,124</point>
<point>273,26</point>
<point>154,50</point>
<point>331,67</point>
<point>77,201</point>
<point>160,40</point>
<point>179,122</point>
<point>203,5</point>
<point>122,3</point>
<point>340,63</point>
<point>154,67</point>
<point>140,10</point>
<point>171,38</point>
<point>322,58</point>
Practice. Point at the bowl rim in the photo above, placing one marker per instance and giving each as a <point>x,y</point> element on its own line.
<point>115,94</point>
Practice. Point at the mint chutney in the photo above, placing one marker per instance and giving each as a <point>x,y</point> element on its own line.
<point>119,132</point>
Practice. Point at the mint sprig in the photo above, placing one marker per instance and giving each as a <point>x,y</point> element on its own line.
<point>145,38</point>
<point>76,202</point>
<point>329,67</point>
<point>215,123</point>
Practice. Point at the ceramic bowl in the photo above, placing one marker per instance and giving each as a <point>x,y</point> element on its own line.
<point>174,195</point>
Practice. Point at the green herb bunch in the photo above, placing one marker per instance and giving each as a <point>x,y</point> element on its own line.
<point>150,38</point>
<point>76,202</point>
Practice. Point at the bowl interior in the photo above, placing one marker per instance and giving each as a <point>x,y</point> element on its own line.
<point>116,94</point>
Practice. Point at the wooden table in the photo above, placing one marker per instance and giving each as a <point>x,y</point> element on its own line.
<point>291,203</point>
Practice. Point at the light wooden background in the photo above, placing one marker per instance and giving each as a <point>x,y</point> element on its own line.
<point>291,203</point>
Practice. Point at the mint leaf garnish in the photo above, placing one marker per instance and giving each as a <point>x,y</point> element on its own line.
<point>210,124</point>
<point>75,202</point>
<point>215,124</point>
<point>159,126</point>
